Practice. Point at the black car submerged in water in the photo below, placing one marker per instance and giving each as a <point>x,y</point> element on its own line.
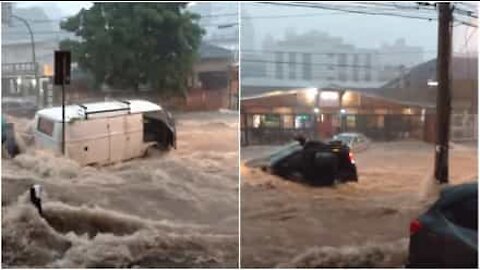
<point>315,162</point>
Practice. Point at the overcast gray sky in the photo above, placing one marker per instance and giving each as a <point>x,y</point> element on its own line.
<point>67,8</point>
<point>365,31</point>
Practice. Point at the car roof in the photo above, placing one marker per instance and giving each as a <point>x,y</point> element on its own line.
<point>76,111</point>
<point>455,193</point>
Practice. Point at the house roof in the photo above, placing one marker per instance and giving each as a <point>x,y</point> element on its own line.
<point>412,87</point>
<point>209,51</point>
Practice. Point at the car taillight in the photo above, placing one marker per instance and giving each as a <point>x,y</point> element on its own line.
<point>352,159</point>
<point>415,226</point>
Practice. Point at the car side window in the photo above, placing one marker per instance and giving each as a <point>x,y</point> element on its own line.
<point>464,213</point>
<point>295,160</point>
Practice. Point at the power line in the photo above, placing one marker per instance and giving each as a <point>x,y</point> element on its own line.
<point>291,15</point>
<point>318,6</point>
<point>336,8</point>
<point>466,23</point>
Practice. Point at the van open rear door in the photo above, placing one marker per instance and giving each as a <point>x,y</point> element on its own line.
<point>160,128</point>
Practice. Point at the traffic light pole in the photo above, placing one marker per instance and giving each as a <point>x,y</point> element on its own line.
<point>443,92</point>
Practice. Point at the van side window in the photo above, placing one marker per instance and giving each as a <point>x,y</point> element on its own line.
<point>45,126</point>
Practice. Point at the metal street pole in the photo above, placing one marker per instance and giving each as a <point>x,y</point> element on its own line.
<point>34,59</point>
<point>64,71</point>
<point>444,91</point>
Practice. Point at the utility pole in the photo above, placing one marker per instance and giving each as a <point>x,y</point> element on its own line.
<point>444,91</point>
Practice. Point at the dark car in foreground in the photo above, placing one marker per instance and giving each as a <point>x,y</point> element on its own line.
<point>446,236</point>
<point>315,162</point>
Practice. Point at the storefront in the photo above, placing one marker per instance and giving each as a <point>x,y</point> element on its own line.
<point>275,118</point>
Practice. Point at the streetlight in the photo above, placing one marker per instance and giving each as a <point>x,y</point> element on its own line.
<point>34,59</point>
<point>432,83</point>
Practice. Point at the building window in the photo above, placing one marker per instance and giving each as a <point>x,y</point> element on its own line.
<point>278,65</point>
<point>355,67</point>
<point>288,121</point>
<point>342,63</point>
<point>307,66</point>
<point>292,67</point>
<point>257,119</point>
<point>271,121</point>
<point>368,67</point>
<point>303,121</point>
<point>351,122</point>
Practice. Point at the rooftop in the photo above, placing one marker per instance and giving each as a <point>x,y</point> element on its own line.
<point>108,109</point>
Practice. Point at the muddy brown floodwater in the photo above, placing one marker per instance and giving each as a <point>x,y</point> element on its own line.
<point>174,209</point>
<point>362,224</point>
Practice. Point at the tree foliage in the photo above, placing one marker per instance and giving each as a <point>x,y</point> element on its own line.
<point>126,45</point>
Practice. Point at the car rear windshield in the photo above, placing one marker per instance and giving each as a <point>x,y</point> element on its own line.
<point>284,151</point>
<point>463,213</point>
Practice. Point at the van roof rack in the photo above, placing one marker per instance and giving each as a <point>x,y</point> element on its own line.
<point>87,113</point>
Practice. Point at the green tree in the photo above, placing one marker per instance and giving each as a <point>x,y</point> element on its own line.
<point>126,45</point>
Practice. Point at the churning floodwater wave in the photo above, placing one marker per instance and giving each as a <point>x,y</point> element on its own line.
<point>359,256</point>
<point>92,237</point>
<point>362,224</point>
<point>169,209</point>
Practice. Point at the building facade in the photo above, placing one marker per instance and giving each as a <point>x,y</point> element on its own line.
<point>322,60</point>
<point>18,65</point>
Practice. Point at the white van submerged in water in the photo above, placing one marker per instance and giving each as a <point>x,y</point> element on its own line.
<point>105,132</point>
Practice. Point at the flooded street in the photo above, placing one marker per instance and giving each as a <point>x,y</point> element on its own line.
<point>364,224</point>
<point>173,209</point>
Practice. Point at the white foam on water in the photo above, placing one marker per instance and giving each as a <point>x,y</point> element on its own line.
<point>170,209</point>
<point>365,256</point>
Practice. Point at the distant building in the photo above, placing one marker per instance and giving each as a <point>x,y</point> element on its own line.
<point>414,85</point>
<point>318,59</point>
<point>396,58</point>
<point>277,116</point>
<point>214,84</point>
<point>404,107</point>
<point>18,69</point>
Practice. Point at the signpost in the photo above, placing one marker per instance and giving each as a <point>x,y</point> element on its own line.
<point>62,77</point>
